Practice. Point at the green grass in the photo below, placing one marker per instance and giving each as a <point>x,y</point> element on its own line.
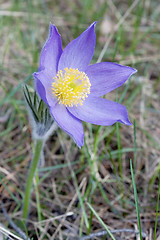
<point>95,182</point>
<point>100,220</point>
<point>136,202</point>
<point>157,211</point>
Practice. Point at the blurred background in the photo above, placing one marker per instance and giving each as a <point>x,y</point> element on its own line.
<point>128,32</point>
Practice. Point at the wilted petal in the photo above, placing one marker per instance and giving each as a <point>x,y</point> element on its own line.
<point>107,76</point>
<point>51,52</point>
<point>44,87</point>
<point>79,52</point>
<point>100,111</point>
<point>68,122</point>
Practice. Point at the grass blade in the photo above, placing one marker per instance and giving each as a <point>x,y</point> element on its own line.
<point>136,201</point>
<point>100,220</point>
<point>157,210</point>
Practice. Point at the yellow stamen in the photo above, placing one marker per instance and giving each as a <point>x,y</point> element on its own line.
<point>71,87</point>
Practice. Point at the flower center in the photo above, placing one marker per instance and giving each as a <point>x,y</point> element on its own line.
<point>71,87</point>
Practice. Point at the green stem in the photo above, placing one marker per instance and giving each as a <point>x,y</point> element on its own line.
<point>32,170</point>
<point>36,184</point>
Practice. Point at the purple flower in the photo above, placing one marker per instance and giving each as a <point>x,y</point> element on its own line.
<point>72,88</point>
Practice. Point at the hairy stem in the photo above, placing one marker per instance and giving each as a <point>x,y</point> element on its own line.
<point>32,170</point>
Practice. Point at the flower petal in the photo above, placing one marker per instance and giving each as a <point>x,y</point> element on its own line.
<point>51,52</point>
<point>41,90</point>
<point>106,76</point>
<point>79,52</point>
<point>68,122</point>
<point>44,87</point>
<point>100,111</point>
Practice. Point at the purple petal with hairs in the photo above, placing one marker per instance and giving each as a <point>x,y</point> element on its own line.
<point>100,111</point>
<point>106,76</point>
<point>51,52</point>
<point>68,122</point>
<point>79,52</point>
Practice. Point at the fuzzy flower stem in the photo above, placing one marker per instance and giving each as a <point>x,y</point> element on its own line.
<point>32,170</point>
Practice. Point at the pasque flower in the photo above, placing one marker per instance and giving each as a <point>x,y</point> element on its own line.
<point>72,88</point>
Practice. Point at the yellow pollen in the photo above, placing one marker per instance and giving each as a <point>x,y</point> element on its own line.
<point>71,87</point>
